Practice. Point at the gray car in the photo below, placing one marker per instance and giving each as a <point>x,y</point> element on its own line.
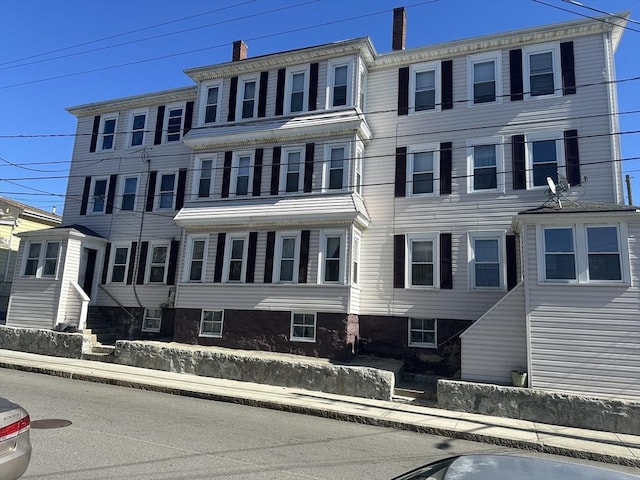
<point>509,467</point>
<point>15,446</point>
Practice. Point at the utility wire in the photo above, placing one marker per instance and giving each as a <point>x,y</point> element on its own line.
<point>579,4</point>
<point>603,20</point>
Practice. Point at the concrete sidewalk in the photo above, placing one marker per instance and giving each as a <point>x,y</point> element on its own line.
<point>574,442</point>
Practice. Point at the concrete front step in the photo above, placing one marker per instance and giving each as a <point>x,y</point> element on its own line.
<point>110,349</point>
<point>99,357</point>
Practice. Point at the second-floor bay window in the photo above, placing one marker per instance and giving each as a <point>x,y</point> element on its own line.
<point>235,258</point>
<point>332,257</point>
<point>335,173</point>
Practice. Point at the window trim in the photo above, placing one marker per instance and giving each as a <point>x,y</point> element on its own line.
<point>40,260</point>
<point>423,344</point>
<point>288,88</point>
<point>197,176</point>
<point>123,183</point>
<point>202,113</point>
<point>346,164</point>
<point>189,258</point>
<point>293,338</point>
<point>331,71</point>
<point>529,50</point>
<point>277,264</point>
<point>130,131</point>
<point>356,247</point>
<point>242,81</point>
<point>422,237</point>
<point>150,263</point>
<point>167,116</point>
<point>419,68</point>
<point>324,235</point>
<point>112,259</point>
<point>103,120</point>
<point>500,237</point>
<point>581,254</point>
<point>496,57</point>
<point>92,196</point>
<point>146,317</point>
<point>532,138</point>
<point>235,170</point>
<point>498,143</point>
<point>227,257</point>
<point>159,191</point>
<point>221,321</point>
<point>357,170</point>
<point>411,151</point>
<point>284,164</point>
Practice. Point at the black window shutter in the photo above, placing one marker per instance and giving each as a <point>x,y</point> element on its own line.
<point>94,133</point>
<point>262,94</point>
<point>226,174</point>
<point>111,194</point>
<point>182,183</point>
<point>309,153</point>
<point>401,172</point>
<point>446,263</point>
<point>567,65</point>
<point>275,170</point>
<point>251,257</point>
<point>217,274</point>
<point>304,256</point>
<point>257,173</point>
<point>142,262</point>
<point>518,162</point>
<point>446,72</point>
<point>515,74</point>
<point>233,93</point>
<point>445,167</point>
<point>173,262</point>
<point>188,118</point>
<point>157,139</point>
<point>105,264</point>
<point>572,157</point>
<point>85,196</point>
<point>268,262</point>
<point>403,91</point>
<point>511,254</point>
<point>280,91</point>
<point>151,191</point>
<point>132,262</point>
<point>313,87</point>
<point>398,261</point>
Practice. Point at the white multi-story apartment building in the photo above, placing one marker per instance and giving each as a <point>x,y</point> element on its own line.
<point>331,199</point>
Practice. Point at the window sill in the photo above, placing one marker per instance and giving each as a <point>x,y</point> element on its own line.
<point>209,335</point>
<point>302,340</point>
<point>422,345</point>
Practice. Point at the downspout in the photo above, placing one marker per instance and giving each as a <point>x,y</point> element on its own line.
<point>614,121</point>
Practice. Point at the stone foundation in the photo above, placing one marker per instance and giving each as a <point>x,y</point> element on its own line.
<point>42,342</point>
<point>608,415</point>
<point>259,367</point>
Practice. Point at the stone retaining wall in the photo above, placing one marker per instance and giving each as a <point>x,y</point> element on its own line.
<point>608,415</point>
<point>42,342</point>
<point>258,367</point>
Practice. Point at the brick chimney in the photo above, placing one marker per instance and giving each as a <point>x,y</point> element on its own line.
<point>239,50</point>
<point>399,29</point>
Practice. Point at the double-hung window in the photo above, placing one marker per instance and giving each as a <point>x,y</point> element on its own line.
<point>424,87</point>
<point>542,70</point>
<point>119,264</point>
<point>545,158</point>
<point>362,88</point>
<point>152,320</point>
<point>174,123</point>
<point>486,253</point>
<point>355,259</point>
<point>99,195</point>
<point>484,80</point>
<point>485,165</point>
<point>235,265</point>
<point>158,264</point>
<point>423,332</point>
<point>108,132</point>
<point>247,100</point>
<point>340,82</point>
<point>291,170</point>
<point>128,193</point>
<point>137,125</point>
<point>287,255</point>
<point>332,257</point>
<point>204,176</point>
<point>303,327</point>
<point>41,259</point>
<point>357,181</point>
<point>211,323</point>
<point>210,105</point>
<point>335,167</point>
<point>559,254</point>
<point>242,174</point>
<point>197,255</point>
<point>603,253</point>
<point>296,88</point>
<point>422,252</point>
<point>423,171</point>
<point>167,192</point>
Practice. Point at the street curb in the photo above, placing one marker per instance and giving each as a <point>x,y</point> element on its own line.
<point>347,417</point>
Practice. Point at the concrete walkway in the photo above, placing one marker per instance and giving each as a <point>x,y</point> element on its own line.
<point>574,442</point>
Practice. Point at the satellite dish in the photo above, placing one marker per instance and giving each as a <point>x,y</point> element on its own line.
<point>552,185</point>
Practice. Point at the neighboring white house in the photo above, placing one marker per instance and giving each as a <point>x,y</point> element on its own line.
<point>331,198</point>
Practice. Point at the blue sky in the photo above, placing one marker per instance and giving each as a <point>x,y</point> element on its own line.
<point>60,53</point>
